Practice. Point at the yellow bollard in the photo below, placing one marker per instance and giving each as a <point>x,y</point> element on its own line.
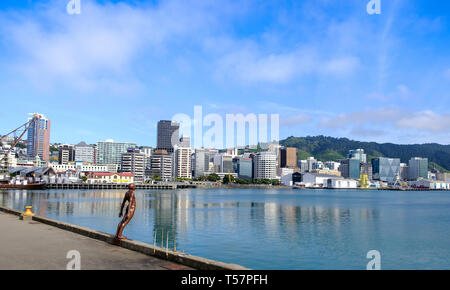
<point>28,212</point>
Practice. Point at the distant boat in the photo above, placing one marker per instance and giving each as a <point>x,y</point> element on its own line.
<point>23,186</point>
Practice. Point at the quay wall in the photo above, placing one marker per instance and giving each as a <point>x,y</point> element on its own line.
<point>151,250</point>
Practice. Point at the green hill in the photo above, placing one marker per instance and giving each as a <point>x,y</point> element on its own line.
<point>328,148</point>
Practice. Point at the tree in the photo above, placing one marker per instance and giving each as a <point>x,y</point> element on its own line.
<point>213,177</point>
<point>84,178</point>
<point>228,179</point>
<point>156,177</point>
<point>275,182</point>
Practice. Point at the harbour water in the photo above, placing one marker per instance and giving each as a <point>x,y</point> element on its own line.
<point>269,229</point>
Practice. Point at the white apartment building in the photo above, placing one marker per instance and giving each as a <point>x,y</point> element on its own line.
<point>133,162</point>
<point>183,162</point>
<point>9,161</point>
<point>161,164</point>
<point>85,153</point>
<point>265,166</point>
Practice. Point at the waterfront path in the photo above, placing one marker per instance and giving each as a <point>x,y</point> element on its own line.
<point>32,245</point>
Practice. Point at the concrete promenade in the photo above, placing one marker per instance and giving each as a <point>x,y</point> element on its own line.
<point>32,245</point>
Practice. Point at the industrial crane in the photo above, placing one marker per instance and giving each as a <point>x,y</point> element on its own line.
<point>4,165</point>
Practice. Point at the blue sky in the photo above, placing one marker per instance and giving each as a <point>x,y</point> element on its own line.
<point>326,67</point>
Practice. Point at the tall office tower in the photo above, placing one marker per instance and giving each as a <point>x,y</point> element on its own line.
<point>168,134</point>
<point>66,154</point>
<point>386,169</point>
<point>366,169</point>
<point>223,163</point>
<point>265,165</point>
<point>350,168</point>
<point>418,168</point>
<point>38,137</point>
<point>288,157</point>
<point>243,167</point>
<point>133,162</point>
<point>161,164</point>
<point>183,154</point>
<point>84,153</point>
<point>357,154</point>
<point>200,162</point>
<point>110,152</point>
<point>404,171</point>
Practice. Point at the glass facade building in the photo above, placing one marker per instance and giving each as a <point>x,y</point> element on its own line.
<point>386,169</point>
<point>38,138</point>
<point>110,152</point>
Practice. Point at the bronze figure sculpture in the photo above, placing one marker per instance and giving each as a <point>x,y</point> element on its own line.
<point>129,213</point>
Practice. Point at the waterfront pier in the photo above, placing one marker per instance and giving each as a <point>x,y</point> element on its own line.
<point>41,243</point>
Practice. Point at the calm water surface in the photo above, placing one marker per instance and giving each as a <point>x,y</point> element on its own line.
<point>269,229</point>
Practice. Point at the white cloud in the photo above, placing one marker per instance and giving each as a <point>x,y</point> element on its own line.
<point>400,119</point>
<point>249,65</point>
<point>426,120</point>
<point>100,46</point>
<point>359,118</point>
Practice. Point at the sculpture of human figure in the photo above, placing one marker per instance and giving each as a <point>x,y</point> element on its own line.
<point>129,213</point>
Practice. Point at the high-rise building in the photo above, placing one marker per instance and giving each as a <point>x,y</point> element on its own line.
<point>350,168</point>
<point>168,134</point>
<point>265,165</point>
<point>66,154</point>
<point>223,163</point>
<point>161,164</point>
<point>85,153</point>
<point>244,167</point>
<point>404,171</point>
<point>110,152</point>
<point>386,169</point>
<point>200,162</point>
<point>38,140</point>
<point>288,157</point>
<point>418,168</point>
<point>366,169</point>
<point>357,154</point>
<point>133,162</point>
<point>183,154</point>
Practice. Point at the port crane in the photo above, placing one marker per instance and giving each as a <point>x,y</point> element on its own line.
<point>25,127</point>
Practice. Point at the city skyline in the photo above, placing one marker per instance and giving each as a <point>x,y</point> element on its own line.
<point>326,68</point>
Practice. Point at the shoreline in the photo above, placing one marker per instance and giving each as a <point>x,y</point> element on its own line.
<point>195,262</point>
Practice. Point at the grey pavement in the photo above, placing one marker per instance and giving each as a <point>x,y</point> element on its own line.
<point>29,245</point>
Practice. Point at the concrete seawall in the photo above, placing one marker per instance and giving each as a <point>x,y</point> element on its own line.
<point>181,258</point>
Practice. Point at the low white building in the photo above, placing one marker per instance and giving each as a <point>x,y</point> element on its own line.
<point>82,168</point>
<point>342,183</point>
<point>327,181</point>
